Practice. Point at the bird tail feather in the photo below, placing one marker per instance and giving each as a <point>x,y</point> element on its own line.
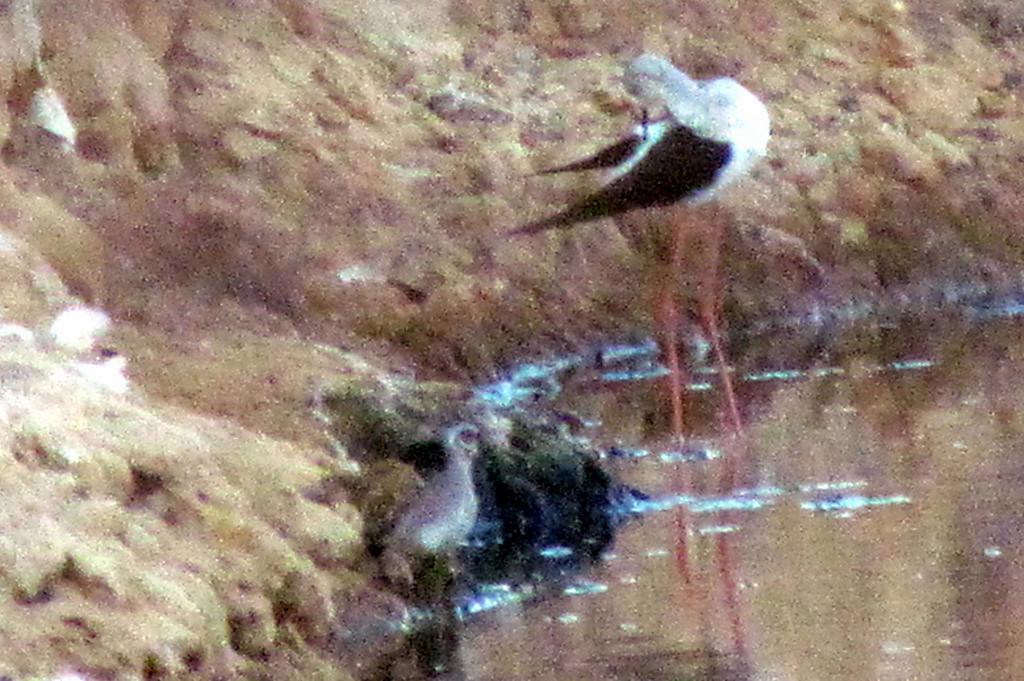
<point>555,221</point>
<point>606,158</point>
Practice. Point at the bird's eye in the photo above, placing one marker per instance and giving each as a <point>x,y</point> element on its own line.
<point>469,436</point>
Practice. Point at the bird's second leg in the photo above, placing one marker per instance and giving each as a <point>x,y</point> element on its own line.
<point>667,322</point>
<point>709,306</point>
<point>666,315</point>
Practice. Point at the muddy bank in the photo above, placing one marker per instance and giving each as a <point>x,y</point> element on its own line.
<point>273,196</point>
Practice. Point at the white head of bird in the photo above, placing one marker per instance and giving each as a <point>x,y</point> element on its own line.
<point>720,109</point>
<point>463,440</point>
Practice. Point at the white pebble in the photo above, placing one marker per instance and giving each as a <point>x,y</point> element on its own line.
<point>48,112</point>
<point>77,329</point>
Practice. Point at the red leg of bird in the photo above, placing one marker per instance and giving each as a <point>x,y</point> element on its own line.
<point>709,306</point>
<point>667,316</point>
<point>670,311</point>
<point>682,547</point>
<point>731,593</point>
<point>667,320</point>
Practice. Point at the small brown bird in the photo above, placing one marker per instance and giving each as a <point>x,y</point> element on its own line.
<point>442,513</point>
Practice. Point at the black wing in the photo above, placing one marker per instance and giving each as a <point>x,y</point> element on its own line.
<point>680,164</point>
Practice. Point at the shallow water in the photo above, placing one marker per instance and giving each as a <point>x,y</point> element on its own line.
<point>873,529</point>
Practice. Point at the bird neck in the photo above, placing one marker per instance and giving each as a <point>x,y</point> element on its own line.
<point>459,465</point>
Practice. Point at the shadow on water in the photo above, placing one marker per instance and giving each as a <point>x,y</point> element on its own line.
<point>875,532</point>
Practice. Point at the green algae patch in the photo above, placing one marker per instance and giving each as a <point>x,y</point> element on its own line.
<point>386,415</point>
